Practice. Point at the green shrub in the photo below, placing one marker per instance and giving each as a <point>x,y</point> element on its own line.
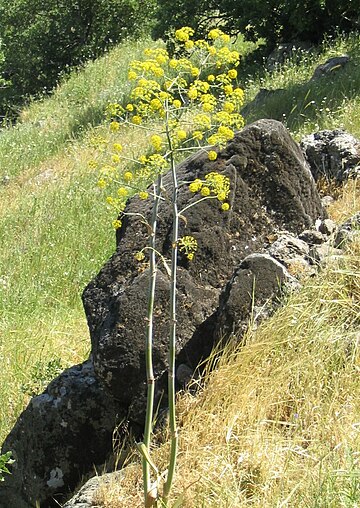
<point>5,460</point>
<point>40,376</point>
<point>42,41</point>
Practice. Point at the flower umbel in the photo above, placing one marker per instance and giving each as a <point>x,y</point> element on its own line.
<point>188,245</point>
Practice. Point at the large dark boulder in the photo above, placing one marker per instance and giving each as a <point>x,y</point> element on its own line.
<point>61,437</point>
<point>272,189</point>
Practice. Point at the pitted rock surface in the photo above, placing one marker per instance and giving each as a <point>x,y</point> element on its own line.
<point>347,231</point>
<point>272,189</point>
<point>253,292</point>
<point>86,497</point>
<point>332,155</point>
<point>288,248</point>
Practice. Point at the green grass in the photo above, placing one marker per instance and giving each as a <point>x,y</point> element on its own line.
<point>53,239</point>
<point>55,229</point>
<point>55,234</point>
<point>46,127</point>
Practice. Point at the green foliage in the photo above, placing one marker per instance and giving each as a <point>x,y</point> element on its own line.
<point>275,21</point>
<point>41,375</point>
<point>5,461</point>
<point>4,84</point>
<point>42,41</point>
<point>2,60</point>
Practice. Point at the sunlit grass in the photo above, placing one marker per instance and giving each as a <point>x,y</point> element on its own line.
<point>46,127</point>
<point>29,343</point>
<point>55,234</point>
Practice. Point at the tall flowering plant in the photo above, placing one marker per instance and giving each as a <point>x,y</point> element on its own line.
<point>180,104</point>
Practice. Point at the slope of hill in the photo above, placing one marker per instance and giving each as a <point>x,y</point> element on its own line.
<point>289,436</point>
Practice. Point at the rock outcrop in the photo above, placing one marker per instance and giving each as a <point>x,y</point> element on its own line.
<point>257,286</point>
<point>271,189</point>
<point>331,65</point>
<point>251,293</point>
<point>332,155</point>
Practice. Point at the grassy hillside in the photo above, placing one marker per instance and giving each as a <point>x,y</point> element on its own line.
<point>307,106</point>
<point>288,434</point>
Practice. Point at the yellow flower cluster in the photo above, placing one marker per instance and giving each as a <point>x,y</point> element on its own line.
<point>92,164</point>
<point>123,192</point>
<point>208,102</point>
<point>223,117</point>
<point>114,126</point>
<point>226,56</point>
<point>214,185</point>
<point>202,121</point>
<point>212,155</point>
<point>116,224</point>
<point>184,34</point>
<point>107,173</point>
<point>131,181</point>
<point>222,135</point>
<point>149,167</point>
<point>216,33</point>
<point>160,55</point>
<point>139,256</point>
<point>162,87</point>
<point>99,142</point>
<point>219,185</point>
<point>156,142</point>
<point>188,245</point>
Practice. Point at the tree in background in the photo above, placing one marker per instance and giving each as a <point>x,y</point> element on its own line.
<point>43,40</point>
<point>276,21</point>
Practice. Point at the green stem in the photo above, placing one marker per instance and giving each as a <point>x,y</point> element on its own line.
<point>149,341</point>
<point>196,202</point>
<point>172,340</point>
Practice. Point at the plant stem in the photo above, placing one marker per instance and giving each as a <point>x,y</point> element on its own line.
<point>172,340</point>
<point>149,340</point>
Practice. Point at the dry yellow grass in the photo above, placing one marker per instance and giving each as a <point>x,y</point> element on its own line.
<point>277,424</point>
<point>348,202</point>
